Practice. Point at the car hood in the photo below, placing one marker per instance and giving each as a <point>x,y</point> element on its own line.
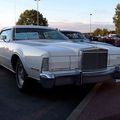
<point>111,49</point>
<point>57,48</point>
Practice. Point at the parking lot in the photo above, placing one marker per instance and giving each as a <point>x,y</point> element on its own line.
<point>40,104</point>
<point>102,103</point>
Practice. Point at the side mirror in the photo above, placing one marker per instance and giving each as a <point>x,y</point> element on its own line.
<point>3,37</point>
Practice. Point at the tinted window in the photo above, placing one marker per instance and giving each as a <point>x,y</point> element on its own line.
<point>73,35</point>
<point>36,33</point>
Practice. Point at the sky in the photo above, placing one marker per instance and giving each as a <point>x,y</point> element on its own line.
<point>63,14</point>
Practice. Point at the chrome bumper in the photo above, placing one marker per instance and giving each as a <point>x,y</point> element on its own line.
<point>49,79</point>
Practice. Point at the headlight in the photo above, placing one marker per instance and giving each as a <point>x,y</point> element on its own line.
<point>114,60</point>
<point>45,64</point>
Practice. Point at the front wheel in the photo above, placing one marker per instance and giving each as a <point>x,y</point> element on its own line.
<point>21,77</point>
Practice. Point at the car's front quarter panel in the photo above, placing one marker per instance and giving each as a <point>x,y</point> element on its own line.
<point>31,59</point>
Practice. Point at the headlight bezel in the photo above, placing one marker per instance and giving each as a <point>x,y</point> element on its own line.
<point>45,64</point>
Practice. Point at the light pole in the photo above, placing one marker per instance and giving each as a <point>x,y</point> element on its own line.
<point>90,23</point>
<point>37,12</point>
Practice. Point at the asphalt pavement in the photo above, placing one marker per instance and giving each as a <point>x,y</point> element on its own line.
<point>103,103</point>
<point>39,104</point>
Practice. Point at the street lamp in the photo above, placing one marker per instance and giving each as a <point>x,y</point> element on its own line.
<point>90,23</point>
<point>37,12</point>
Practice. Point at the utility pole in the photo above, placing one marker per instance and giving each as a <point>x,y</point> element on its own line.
<point>37,11</point>
<point>90,23</point>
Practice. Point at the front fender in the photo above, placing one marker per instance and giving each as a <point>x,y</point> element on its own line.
<point>31,60</point>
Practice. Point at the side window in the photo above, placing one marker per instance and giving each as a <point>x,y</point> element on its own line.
<point>8,34</point>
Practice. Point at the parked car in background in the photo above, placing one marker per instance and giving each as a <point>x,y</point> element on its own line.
<point>116,40</point>
<point>76,36</point>
<point>113,39</point>
<point>46,55</point>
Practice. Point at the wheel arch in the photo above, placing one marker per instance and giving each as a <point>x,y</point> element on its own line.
<point>14,60</point>
<point>15,57</point>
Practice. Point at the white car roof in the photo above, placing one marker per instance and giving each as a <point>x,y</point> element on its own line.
<point>28,26</point>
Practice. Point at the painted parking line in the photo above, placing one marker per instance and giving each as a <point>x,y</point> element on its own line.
<point>78,110</point>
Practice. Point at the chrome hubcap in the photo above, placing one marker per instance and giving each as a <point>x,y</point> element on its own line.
<point>20,75</point>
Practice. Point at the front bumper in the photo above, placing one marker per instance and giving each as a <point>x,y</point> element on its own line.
<point>50,79</point>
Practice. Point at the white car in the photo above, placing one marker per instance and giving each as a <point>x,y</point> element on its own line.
<point>44,54</point>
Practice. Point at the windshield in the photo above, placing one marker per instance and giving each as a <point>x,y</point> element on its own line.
<point>37,34</point>
<point>74,35</point>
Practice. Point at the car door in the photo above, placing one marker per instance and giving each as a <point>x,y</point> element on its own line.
<point>5,48</point>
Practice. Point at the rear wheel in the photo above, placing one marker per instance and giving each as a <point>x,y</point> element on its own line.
<point>21,77</point>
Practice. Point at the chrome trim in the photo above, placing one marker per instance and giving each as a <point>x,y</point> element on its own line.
<point>98,73</point>
<point>100,56</point>
<point>67,73</point>
<point>53,75</point>
<point>47,75</point>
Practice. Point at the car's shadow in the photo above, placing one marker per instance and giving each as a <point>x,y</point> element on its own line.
<point>36,90</point>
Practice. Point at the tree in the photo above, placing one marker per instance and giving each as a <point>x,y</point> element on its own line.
<point>97,32</point>
<point>29,17</point>
<point>116,19</point>
<point>102,32</point>
<point>105,32</point>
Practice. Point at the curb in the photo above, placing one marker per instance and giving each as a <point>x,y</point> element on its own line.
<point>78,110</point>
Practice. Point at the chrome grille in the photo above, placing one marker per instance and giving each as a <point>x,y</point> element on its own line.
<point>94,59</point>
